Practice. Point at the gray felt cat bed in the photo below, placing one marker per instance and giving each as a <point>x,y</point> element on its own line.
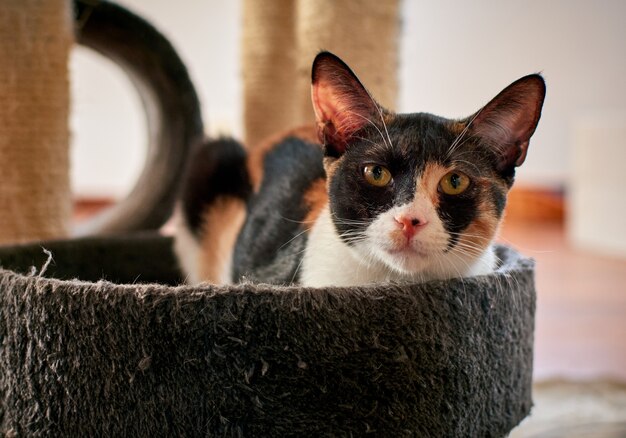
<point>136,355</point>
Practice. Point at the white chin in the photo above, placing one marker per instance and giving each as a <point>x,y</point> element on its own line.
<point>405,262</point>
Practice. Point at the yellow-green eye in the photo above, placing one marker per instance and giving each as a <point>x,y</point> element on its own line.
<point>454,183</point>
<point>378,176</point>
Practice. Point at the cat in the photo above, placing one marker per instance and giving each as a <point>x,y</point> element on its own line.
<point>364,196</point>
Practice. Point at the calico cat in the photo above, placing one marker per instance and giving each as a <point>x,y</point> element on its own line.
<point>366,196</point>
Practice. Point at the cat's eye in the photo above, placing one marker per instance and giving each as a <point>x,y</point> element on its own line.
<point>454,183</point>
<point>376,175</point>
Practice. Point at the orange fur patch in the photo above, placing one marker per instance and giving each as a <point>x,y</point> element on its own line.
<point>315,198</point>
<point>256,154</point>
<point>481,231</point>
<point>330,165</point>
<point>429,181</point>
<point>222,221</point>
<point>457,127</point>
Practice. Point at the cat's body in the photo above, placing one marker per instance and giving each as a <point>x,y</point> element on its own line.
<point>373,197</point>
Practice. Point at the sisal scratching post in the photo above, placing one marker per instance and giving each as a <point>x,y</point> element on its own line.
<point>363,33</point>
<point>280,40</point>
<point>35,39</point>
<point>268,60</point>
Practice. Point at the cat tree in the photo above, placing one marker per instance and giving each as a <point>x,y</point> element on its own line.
<point>35,40</point>
<point>97,337</point>
<point>132,357</point>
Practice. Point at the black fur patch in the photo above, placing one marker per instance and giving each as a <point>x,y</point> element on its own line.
<point>270,245</point>
<point>218,168</point>
<point>499,200</point>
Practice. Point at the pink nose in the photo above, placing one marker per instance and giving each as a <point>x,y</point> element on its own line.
<point>410,225</point>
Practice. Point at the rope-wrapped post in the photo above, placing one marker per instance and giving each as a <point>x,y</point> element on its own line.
<point>35,41</point>
<point>363,33</point>
<point>280,40</point>
<point>268,68</point>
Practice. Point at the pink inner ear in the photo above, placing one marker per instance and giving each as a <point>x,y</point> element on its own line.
<point>324,104</point>
<point>502,126</point>
<point>510,119</point>
<point>342,105</point>
<point>339,113</point>
<point>508,131</point>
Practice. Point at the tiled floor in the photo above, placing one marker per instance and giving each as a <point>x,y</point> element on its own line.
<point>581,305</point>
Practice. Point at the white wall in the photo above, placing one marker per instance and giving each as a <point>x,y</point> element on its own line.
<point>455,56</point>
<point>597,199</point>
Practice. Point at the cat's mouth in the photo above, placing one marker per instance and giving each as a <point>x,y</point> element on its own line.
<point>401,246</point>
<point>407,258</point>
<point>407,251</point>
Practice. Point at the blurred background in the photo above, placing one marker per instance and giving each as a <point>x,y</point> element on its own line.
<point>568,207</point>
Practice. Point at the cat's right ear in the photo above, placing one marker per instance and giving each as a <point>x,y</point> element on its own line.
<point>342,104</point>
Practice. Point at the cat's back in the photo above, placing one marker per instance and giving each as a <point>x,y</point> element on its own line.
<point>289,192</point>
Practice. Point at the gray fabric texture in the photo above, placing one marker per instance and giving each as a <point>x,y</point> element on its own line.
<point>78,358</point>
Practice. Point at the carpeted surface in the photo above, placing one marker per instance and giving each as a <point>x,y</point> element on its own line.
<point>576,409</point>
<point>81,358</point>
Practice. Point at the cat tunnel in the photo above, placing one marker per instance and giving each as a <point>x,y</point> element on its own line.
<point>99,337</point>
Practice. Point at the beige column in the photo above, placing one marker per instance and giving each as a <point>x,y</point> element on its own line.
<point>280,40</point>
<point>268,68</point>
<point>35,40</point>
<point>364,33</point>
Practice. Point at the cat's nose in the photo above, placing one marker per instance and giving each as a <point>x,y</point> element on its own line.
<point>410,225</point>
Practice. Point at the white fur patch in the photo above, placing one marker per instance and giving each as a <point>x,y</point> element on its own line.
<point>186,248</point>
<point>329,261</point>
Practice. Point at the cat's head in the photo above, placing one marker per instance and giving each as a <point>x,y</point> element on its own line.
<point>417,191</point>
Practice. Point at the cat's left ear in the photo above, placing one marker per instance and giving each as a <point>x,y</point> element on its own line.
<point>509,120</point>
<point>342,104</point>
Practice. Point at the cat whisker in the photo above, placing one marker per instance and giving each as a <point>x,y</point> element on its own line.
<point>465,233</point>
<point>295,274</point>
<point>525,248</point>
<point>294,238</point>
<point>366,140</point>
<point>382,118</point>
<point>354,232</point>
<point>459,145</point>
<point>480,240</point>
<point>350,222</point>
<point>374,125</point>
<point>460,275</point>
<point>455,143</point>
<point>355,240</point>
<point>469,251</point>
<point>469,164</point>
<point>345,221</point>
<point>297,221</point>
<point>462,278</point>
